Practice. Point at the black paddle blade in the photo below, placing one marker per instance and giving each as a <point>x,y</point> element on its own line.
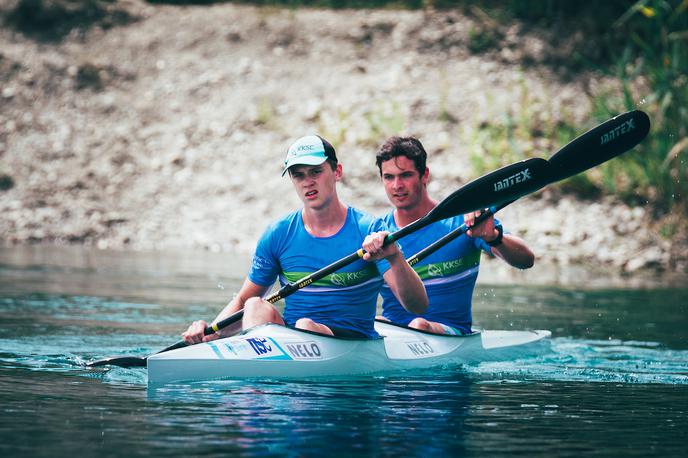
<point>121,361</point>
<point>503,185</point>
<point>598,145</point>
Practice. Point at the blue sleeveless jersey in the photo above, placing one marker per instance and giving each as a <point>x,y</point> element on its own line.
<point>449,274</point>
<point>345,299</point>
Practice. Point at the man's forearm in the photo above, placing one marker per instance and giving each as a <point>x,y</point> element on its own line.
<point>407,286</point>
<point>514,251</point>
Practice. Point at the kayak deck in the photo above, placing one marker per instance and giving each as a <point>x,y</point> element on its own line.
<point>275,351</point>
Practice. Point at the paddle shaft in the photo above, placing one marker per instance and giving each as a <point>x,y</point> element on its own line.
<point>439,243</point>
<point>286,290</point>
<point>600,144</point>
<point>499,188</point>
<point>291,288</point>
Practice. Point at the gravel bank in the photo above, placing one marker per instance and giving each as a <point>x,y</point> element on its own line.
<point>166,129</point>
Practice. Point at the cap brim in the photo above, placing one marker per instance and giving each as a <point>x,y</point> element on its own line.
<point>304,160</point>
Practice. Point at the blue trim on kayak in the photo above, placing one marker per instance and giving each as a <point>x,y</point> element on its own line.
<point>285,354</point>
<point>216,350</point>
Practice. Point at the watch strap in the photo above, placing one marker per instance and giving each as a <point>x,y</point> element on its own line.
<point>498,240</point>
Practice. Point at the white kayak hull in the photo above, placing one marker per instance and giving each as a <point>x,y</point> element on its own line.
<point>274,351</point>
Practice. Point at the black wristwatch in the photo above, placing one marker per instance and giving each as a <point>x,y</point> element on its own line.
<point>500,234</point>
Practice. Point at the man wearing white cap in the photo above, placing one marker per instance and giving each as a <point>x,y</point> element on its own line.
<point>322,232</point>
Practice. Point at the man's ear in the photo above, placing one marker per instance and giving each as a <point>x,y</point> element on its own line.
<point>338,172</point>
<point>426,176</point>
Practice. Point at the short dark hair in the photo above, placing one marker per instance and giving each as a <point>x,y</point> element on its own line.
<point>409,147</point>
<point>329,152</point>
<point>329,149</point>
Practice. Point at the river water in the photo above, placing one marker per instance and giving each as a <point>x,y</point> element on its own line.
<point>615,382</point>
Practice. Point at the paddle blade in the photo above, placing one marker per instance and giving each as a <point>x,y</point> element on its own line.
<point>121,361</point>
<point>503,185</point>
<point>600,144</point>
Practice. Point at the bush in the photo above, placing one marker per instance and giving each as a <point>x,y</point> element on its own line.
<point>653,70</point>
<point>51,20</point>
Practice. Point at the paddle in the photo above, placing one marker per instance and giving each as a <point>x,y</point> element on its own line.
<point>505,184</point>
<point>596,146</point>
<point>499,188</point>
<point>600,144</point>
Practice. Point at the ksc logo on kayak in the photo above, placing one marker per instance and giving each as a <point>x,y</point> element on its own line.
<point>260,346</point>
<point>618,131</point>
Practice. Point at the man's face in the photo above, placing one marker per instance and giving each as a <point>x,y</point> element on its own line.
<point>404,186</point>
<point>315,184</point>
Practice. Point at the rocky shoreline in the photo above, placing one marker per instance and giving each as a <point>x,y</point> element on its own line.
<point>166,129</point>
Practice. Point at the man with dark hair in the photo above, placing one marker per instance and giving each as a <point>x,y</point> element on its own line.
<point>449,274</point>
<point>322,232</point>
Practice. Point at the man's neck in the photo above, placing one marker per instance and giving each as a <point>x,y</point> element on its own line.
<point>325,222</point>
<point>405,216</point>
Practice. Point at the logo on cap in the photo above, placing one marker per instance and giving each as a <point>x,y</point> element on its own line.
<point>308,150</point>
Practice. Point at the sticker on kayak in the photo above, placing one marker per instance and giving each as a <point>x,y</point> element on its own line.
<point>304,350</point>
<point>420,348</point>
<point>266,348</point>
<point>249,348</point>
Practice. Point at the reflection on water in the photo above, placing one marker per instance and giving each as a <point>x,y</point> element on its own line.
<point>614,383</point>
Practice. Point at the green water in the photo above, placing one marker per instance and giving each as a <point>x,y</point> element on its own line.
<point>614,384</point>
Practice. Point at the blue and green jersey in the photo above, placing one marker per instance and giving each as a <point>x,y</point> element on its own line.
<point>449,274</point>
<point>344,299</point>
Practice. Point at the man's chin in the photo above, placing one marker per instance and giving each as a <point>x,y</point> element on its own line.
<point>402,205</point>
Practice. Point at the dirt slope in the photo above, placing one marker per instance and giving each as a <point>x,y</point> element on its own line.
<point>166,127</point>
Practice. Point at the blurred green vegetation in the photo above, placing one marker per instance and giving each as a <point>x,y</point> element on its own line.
<point>334,4</point>
<point>652,67</point>
<point>643,46</point>
<point>52,20</point>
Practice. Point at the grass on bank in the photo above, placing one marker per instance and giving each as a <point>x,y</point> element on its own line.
<point>644,47</point>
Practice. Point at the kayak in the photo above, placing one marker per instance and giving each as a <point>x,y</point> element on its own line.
<point>278,352</point>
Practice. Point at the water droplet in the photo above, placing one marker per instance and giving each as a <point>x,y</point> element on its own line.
<point>221,286</point>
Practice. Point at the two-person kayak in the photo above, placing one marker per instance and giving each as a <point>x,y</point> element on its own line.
<point>278,352</point>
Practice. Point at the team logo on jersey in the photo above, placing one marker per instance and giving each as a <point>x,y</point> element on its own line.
<point>348,278</point>
<point>434,270</point>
